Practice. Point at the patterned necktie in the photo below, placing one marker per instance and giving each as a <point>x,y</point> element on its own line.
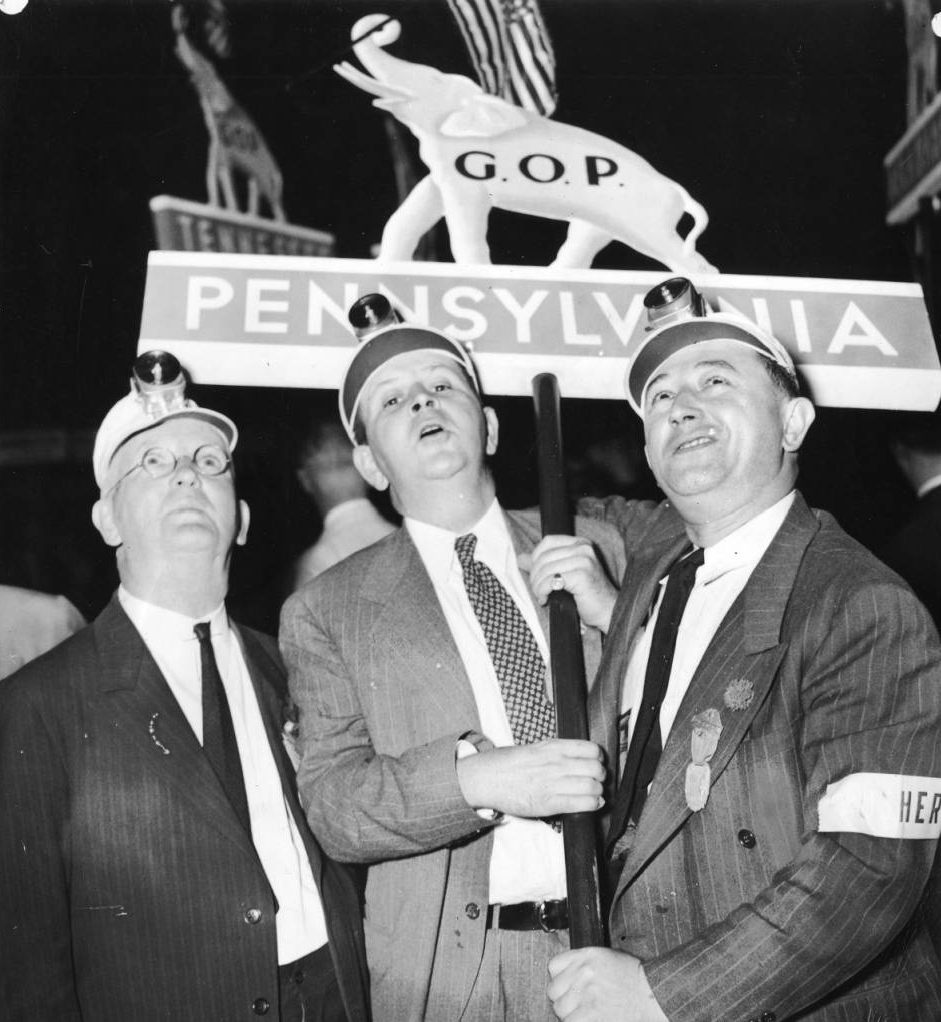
<point>519,665</point>
<point>218,733</point>
<point>643,753</point>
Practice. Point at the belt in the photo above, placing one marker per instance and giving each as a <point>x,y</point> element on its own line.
<point>530,915</point>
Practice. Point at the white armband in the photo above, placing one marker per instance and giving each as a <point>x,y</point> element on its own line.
<point>882,805</point>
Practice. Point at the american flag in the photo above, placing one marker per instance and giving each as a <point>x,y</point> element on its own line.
<point>511,50</point>
<point>217,28</point>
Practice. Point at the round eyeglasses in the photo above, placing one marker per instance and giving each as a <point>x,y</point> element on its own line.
<point>159,462</point>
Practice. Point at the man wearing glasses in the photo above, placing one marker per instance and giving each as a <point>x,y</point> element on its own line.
<point>154,862</point>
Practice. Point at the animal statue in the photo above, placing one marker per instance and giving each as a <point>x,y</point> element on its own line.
<point>235,143</point>
<point>482,152</point>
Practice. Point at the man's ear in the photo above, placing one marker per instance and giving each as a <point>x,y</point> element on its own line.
<point>243,515</point>
<point>493,430</point>
<point>102,514</point>
<point>366,466</point>
<point>799,414</point>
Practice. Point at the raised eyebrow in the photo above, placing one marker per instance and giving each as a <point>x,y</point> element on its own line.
<point>652,384</point>
<point>451,368</point>
<point>706,363</point>
<point>716,363</point>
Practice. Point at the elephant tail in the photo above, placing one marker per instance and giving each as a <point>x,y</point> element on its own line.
<point>700,220</point>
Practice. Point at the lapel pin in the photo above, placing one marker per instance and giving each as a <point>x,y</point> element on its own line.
<point>707,726</point>
<point>739,694</point>
<point>152,731</point>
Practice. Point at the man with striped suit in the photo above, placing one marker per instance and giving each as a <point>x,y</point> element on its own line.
<point>154,861</point>
<point>421,752</point>
<point>774,719</point>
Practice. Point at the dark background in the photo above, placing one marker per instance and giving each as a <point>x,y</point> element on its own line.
<point>775,115</point>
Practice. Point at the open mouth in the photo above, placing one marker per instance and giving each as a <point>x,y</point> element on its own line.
<point>431,429</point>
<point>693,444</point>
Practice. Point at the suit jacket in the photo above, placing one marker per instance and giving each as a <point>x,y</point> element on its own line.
<point>383,698</point>
<point>915,553</point>
<point>745,909</point>
<point>126,880</point>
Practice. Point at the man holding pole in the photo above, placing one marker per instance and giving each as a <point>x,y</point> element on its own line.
<point>419,667</point>
<point>771,695</point>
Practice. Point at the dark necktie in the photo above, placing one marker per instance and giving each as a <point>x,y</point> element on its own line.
<point>643,753</point>
<point>519,666</point>
<point>218,733</point>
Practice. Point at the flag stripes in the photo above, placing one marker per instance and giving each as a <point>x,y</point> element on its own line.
<point>510,49</point>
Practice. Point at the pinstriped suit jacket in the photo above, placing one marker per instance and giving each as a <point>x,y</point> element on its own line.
<point>846,673</point>
<point>383,698</point>
<point>125,875</point>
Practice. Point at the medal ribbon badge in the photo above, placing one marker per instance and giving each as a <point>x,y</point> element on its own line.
<point>707,726</point>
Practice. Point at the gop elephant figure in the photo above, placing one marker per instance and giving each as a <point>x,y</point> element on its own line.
<point>482,152</point>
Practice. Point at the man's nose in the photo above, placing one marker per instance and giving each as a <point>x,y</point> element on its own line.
<point>422,398</point>
<point>684,407</point>
<point>185,474</point>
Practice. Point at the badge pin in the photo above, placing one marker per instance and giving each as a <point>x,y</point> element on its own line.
<point>152,731</point>
<point>707,727</point>
<point>739,694</point>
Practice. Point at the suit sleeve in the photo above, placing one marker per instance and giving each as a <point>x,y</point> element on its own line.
<point>632,519</point>
<point>363,805</point>
<point>608,544</point>
<point>867,660</point>
<point>36,974</point>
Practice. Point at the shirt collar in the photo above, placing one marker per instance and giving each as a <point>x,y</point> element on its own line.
<point>162,625</point>
<point>436,545</point>
<point>929,484</point>
<point>348,509</point>
<point>745,547</point>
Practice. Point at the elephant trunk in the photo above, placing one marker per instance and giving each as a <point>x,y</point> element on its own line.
<point>379,31</point>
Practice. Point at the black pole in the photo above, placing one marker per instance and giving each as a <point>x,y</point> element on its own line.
<point>568,671</point>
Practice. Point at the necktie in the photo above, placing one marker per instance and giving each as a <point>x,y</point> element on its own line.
<point>519,666</point>
<point>643,754</point>
<point>218,733</point>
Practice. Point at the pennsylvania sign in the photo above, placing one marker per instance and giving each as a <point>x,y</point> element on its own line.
<point>280,321</point>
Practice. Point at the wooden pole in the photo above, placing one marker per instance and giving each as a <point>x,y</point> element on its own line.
<point>568,671</point>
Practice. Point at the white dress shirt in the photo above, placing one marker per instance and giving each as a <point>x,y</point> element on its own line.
<point>723,575</point>
<point>527,863</point>
<point>301,927</point>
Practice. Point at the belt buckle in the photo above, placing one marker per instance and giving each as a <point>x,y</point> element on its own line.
<point>542,917</point>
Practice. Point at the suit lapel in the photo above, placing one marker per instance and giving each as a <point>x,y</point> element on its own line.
<point>268,681</point>
<point>146,715</point>
<point>746,647</point>
<point>413,624</point>
<point>630,611</point>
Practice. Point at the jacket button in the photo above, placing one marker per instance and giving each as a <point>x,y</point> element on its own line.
<point>252,916</point>
<point>768,1016</point>
<point>472,910</point>
<point>747,840</point>
<point>260,1006</point>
